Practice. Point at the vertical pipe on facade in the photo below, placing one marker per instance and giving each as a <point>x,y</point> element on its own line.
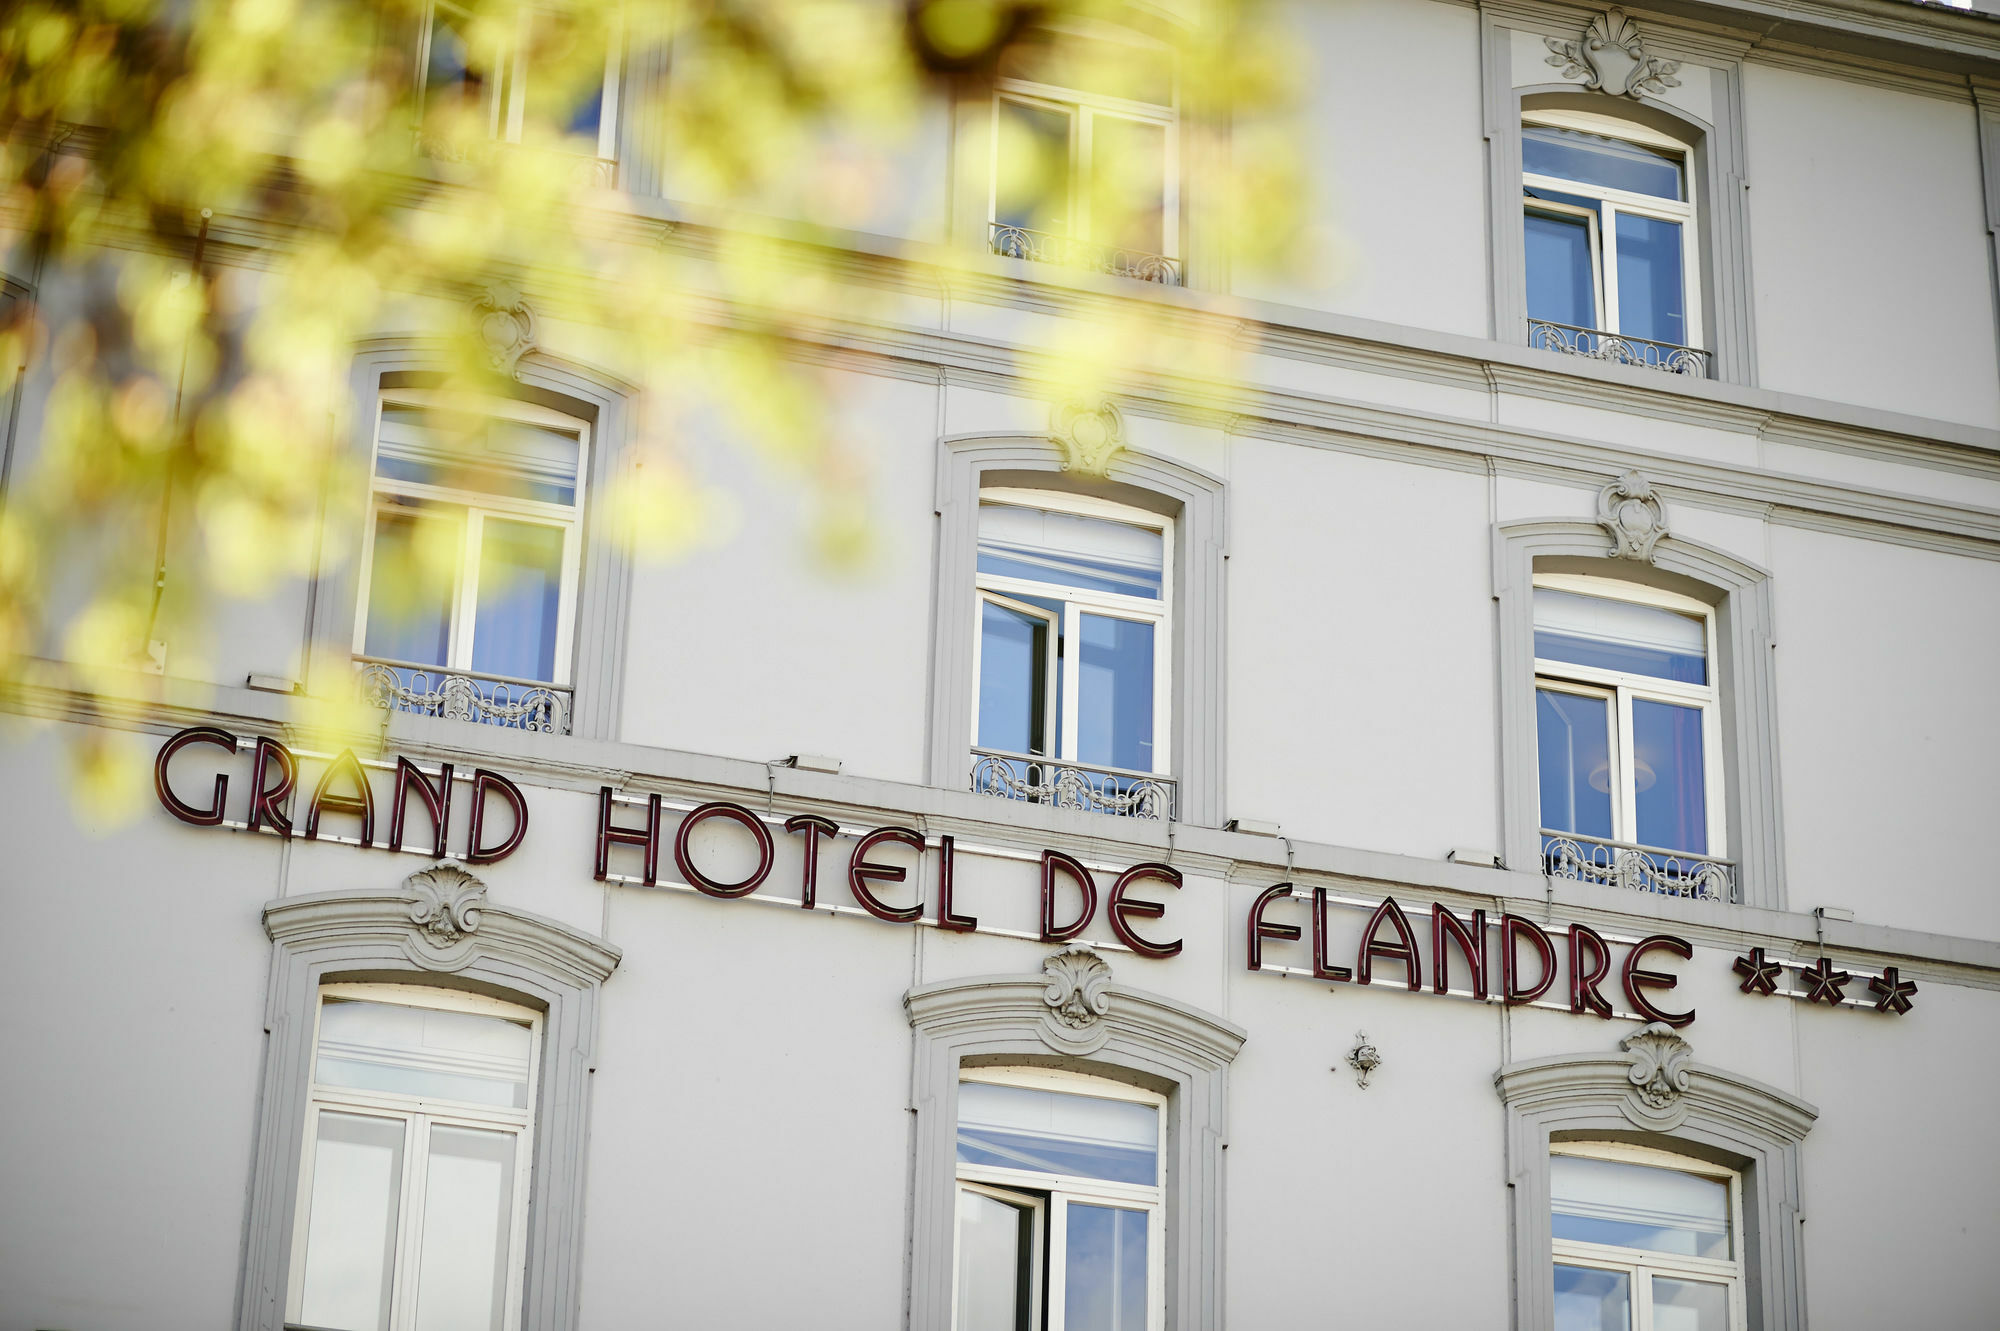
<point>167,482</point>
<point>34,298</point>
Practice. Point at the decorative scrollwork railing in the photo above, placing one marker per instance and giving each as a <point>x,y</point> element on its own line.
<point>1014,776</point>
<point>1669,873</point>
<point>489,700</point>
<point>1018,242</point>
<point>1621,347</point>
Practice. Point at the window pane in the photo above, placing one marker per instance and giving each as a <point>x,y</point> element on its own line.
<point>1572,733</point>
<point>566,82</point>
<point>410,588</point>
<point>480,453</point>
<point>520,596</point>
<point>1013,659</point>
<point>1689,1305</point>
<point>351,1229</point>
<point>448,78</point>
<point>468,1214</point>
<point>1114,704</point>
<point>1667,767</point>
<point>1592,159</point>
<point>1104,1277</point>
<point>1619,635</point>
<point>1650,295</point>
<point>424,1052</point>
<point>1561,285</point>
<point>1031,164</point>
<point>1592,1300</point>
<point>1053,1132</point>
<point>1067,550</point>
<point>1128,164</point>
<point>995,1263</point>
<point>1638,1206</point>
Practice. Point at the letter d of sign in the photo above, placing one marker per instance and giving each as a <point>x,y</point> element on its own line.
<point>476,850</point>
<point>1052,861</point>
<point>180,809</point>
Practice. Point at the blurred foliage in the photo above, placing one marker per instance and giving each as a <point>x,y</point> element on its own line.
<point>208,205</point>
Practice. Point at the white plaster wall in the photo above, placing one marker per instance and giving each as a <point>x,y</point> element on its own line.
<point>1396,206</point>
<point>1868,244</point>
<point>1360,706</point>
<point>132,979</point>
<point>759,645</point>
<point>1887,725</point>
<point>1899,1173</point>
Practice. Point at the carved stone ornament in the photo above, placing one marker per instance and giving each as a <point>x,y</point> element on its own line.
<point>1090,434</point>
<point>446,902</point>
<point>1660,1061</point>
<point>506,325</point>
<point>1630,511</point>
<point>1611,57</point>
<point>1364,1058</point>
<point>1079,981</point>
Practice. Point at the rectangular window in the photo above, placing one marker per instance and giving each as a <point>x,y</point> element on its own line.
<point>412,1211</point>
<point>1627,718</point>
<point>1610,240</point>
<point>1060,1217</point>
<point>1643,1241</point>
<point>534,64</point>
<point>1085,151</point>
<point>1074,629</point>
<point>475,541</point>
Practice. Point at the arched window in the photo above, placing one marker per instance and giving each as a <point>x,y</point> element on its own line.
<point>1086,152</point>
<point>413,1188</point>
<point>1073,662</point>
<point>507,79</point>
<point>1611,244</point>
<point>1060,1213</point>
<point>1643,1240</point>
<point>1628,728</point>
<point>470,569</point>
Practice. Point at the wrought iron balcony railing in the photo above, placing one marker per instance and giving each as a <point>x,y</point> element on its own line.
<point>1670,873</point>
<point>1621,347</point>
<point>1018,242</point>
<point>490,700</point>
<point>1113,790</point>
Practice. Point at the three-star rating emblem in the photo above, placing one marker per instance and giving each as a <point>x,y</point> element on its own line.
<point>1759,976</point>
<point>1893,991</point>
<point>1824,983</point>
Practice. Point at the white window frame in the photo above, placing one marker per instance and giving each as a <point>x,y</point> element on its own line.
<point>470,509</point>
<point>1076,602</point>
<point>1604,228</point>
<point>1059,1190</point>
<point>419,1115</point>
<point>1083,108</point>
<point>1622,688</point>
<point>506,104</point>
<point>1639,1263</point>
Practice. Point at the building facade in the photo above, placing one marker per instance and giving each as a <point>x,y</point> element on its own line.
<point>1456,831</point>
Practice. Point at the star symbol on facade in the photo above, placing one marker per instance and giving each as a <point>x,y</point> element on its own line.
<point>1759,976</point>
<point>1894,991</point>
<point>1823,982</point>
